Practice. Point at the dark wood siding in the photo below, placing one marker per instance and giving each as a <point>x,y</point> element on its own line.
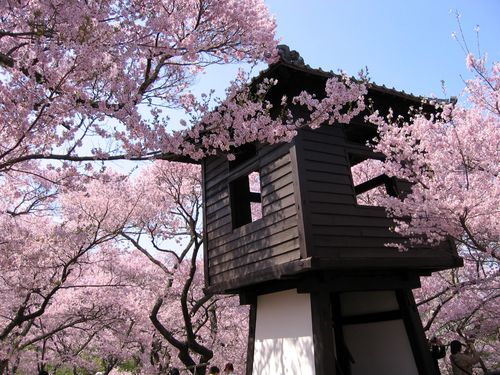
<point>311,218</point>
<point>339,228</point>
<point>235,253</point>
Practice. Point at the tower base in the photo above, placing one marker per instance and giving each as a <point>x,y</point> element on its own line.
<point>330,332</point>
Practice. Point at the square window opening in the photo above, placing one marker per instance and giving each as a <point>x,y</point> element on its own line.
<point>246,199</point>
<point>371,186</point>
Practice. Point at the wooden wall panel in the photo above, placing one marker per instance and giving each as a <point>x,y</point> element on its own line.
<point>337,223</point>
<point>340,229</point>
<point>243,275</point>
<point>310,213</point>
<point>237,252</point>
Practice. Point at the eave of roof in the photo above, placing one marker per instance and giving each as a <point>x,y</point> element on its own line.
<point>328,74</point>
<point>306,69</point>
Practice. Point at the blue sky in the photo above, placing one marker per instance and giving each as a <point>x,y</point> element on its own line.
<point>405,44</point>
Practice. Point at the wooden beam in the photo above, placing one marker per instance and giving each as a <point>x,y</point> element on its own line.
<point>323,337</point>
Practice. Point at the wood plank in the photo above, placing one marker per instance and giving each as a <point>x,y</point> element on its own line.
<point>264,222</point>
<point>335,136</point>
<point>275,175</point>
<point>364,152</point>
<point>217,174</point>
<point>291,245</point>
<point>324,148</point>
<point>252,324</point>
<point>322,163</point>
<point>280,200</point>
<point>275,195</point>
<point>301,196</point>
<point>325,157</point>
<point>274,152</point>
<point>228,261</point>
<point>331,197</point>
<point>323,337</point>
<point>277,184</point>
<point>358,148</point>
<point>274,181</point>
<point>226,252</point>
<point>214,205</point>
<point>213,164</point>
<point>240,272</point>
<point>365,254</point>
<point>349,220</point>
<point>278,205</point>
<point>315,169</point>
<point>223,224</point>
<point>204,223</point>
<point>216,181</point>
<point>319,230</point>
<point>222,231</point>
<point>325,187</point>
<point>274,165</point>
<point>326,166</point>
<point>217,215</point>
<point>260,234</point>
<point>324,241</point>
<point>328,208</point>
<point>328,177</point>
<point>382,259</point>
<point>217,192</point>
<point>217,205</point>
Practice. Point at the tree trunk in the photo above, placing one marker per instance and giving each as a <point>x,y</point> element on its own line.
<point>4,363</point>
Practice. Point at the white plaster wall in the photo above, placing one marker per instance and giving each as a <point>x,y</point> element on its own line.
<point>378,348</point>
<point>283,335</point>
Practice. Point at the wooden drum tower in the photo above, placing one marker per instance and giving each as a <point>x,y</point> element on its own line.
<point>326,295</point>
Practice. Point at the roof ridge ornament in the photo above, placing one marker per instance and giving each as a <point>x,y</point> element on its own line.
<point>289,56</point>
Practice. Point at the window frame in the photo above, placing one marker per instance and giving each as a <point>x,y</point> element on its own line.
<point>240,195</point>
<point>390,183</point>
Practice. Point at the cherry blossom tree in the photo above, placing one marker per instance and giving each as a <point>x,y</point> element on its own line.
<point>462,304</point>
<point>190,325</point>
<point>184,314</point>
<point>452,159</point>
<point>106,285</point>
<point>86,81</point>
<point>73,70</point>
<point>87,322</point>
<point>105,71</point>
<point>46,244</point>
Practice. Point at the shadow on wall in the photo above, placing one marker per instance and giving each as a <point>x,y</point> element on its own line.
<point>283,335</point>
<point>291,355</point>
<point>251,216</point>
